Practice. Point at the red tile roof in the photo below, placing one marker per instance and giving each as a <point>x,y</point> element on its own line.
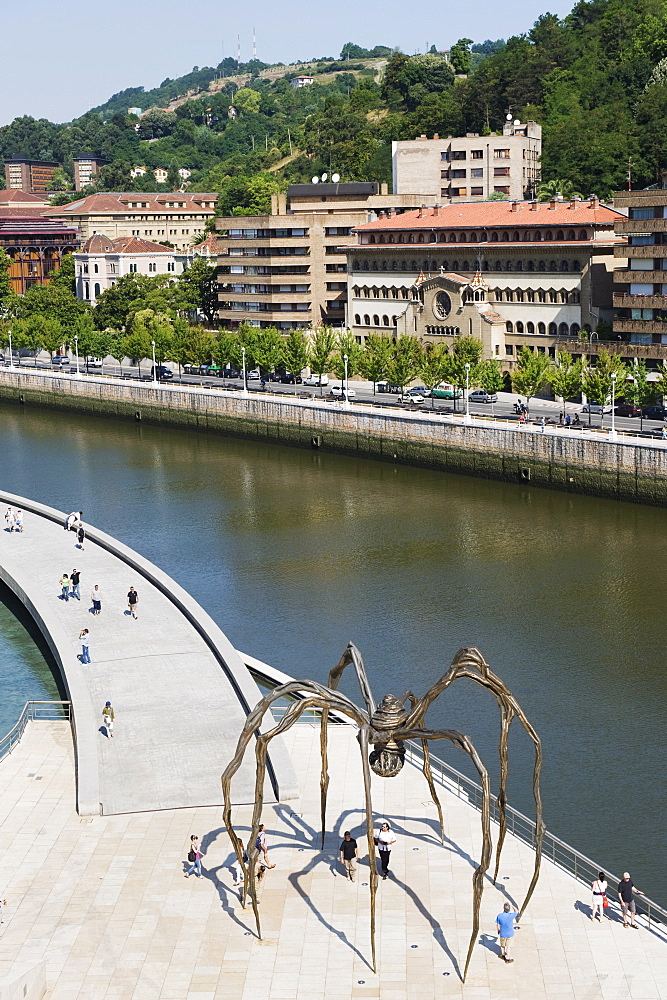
<point>22,197</point>
<point>497,215</point>
<point>122,202</point>
<point>98,244</point>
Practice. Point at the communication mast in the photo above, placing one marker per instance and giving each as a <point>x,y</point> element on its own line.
<point>254,44</point>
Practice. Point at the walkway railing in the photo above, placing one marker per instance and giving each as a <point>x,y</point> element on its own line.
<point>49,711</point>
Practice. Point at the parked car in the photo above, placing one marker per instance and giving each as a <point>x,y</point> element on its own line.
<point>316,380</point>
<point>254,374</point>
<point>338,392</point>
<point>94,363</point>
<point>288,378</point>
<point>161,373</point>
<point>420,390</point>
<point>596,408</point>
<point>410,397</point>
<point>60,359</point>
<point>627,410</point>
<point>482,396</point>
<point>211,370</point>
<point>384,386</point>
<point>446,392</point>
<point>654,412</point>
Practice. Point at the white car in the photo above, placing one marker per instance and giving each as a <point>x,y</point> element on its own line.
<point>255,373</point>
<point>94,362</point>
<point>316,380</point>
<point>338,392</point>
<point>410,397</point>
<point>596,408</point>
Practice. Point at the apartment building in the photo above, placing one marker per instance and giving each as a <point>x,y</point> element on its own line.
<point>640,295</point>
<point>174,218</point>
<point>86,169</point>
<point>512,273</point>
<point>23,174</point>
<point>288,269</point>
<point>34,245</point>
<point>101,262</point>
<point>470,168</point>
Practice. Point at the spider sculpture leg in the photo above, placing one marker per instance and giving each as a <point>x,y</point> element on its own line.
<point>428,773</point>
<point>462,741</point>
<point>350,656</point>
<point>320,697</point>
<point>372,863</point>
<point>470,663</point>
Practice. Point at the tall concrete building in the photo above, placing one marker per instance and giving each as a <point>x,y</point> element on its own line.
<point>288,269</point>
<point>23,174</point>
<point>641,287</point>
<point>86,168</point>
<point>470,168</point>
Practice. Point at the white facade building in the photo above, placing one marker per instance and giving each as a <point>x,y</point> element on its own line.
<point>101,262</point>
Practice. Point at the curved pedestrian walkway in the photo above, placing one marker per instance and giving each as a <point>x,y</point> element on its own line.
<point>179,689</point>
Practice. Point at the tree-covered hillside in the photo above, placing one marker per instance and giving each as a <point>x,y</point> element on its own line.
<point>596,80</point>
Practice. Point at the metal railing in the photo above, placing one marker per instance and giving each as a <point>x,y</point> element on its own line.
<point>520,826</point>
<point>33,711</point>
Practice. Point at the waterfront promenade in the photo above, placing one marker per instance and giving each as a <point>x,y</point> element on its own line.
<point>103,902</point>
<point>179,689</point>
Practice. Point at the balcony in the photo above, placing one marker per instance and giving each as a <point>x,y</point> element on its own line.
<point>622,347</point>
<point>640,326</point>
<point>641,252</point>
<point>622,277</point>
<point>622,300</point>
<point>630,226</point>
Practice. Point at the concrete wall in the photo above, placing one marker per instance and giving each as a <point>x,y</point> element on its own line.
<point>586,464</point>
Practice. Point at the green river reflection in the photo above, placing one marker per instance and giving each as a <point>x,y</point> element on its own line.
<point>295,552</point>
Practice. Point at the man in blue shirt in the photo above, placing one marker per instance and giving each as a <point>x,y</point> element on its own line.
<point>505,928</point>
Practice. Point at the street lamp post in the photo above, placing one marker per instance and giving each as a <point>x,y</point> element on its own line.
<point>245,384</point>
<point>11,352</point>
<point>612,432</point>
<point>76,351</point>
<point>345,399</point>
<point>154,366</point>
<point>467,416</point>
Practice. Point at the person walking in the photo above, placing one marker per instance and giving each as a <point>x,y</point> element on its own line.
<point>505,929</point>
<point>81,536</point>
<point>10,519</point>
<point>84,636</point>
<point>96,598</point>
<point>349,855</point>
<point>64,584</point>
<point>237,870</point>
<point>542,423</point>
<point>626,891</point>
<point>260,844</point>
<point>18,521</point>
<point>132,601</point>
<point>194,857</point>
<point>75,579</point>
<point>385,840</point>
<point>108,715</point>
<point>599,889</point>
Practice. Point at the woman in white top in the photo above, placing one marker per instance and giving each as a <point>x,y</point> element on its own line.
<point>599,887</point>
<point>385,841</point>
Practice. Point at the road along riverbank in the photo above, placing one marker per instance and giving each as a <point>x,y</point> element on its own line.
<point>581,461</point>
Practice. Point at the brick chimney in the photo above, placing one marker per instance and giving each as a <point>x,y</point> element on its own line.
<point>595,201</point>
<point>533,205</point>
<point>420,213</point>
<point>515,206</point>
<point>552,204</point>
<point>435,135</point>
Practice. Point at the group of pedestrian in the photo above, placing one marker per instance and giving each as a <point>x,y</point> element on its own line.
<point>14,520</point>
<point>74,522</point>
<point>566,420</point>
<point>70,585</point>
<point>349,851</point>
<point>626,896</point>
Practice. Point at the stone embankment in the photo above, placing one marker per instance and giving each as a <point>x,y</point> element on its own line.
<point>580,461</point>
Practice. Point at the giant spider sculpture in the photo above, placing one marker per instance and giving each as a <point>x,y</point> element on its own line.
<point>385,728</point>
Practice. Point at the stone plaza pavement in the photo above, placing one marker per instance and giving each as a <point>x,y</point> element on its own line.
<point>103,900</point>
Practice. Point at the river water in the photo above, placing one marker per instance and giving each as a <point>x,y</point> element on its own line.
<point>294,553</point>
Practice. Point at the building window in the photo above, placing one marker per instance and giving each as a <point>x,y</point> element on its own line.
<point>519,327</point>
<point>459,192</point>
<point>86,286</point>
<point>477,154</point>
<point>476,190</point>
<point>477,172</point>
<point>501,154</point>
<point>501,171</point>
<point>501,190</point>
<point>85,269</point>
<point>458,173</point>
<point>171,266</point>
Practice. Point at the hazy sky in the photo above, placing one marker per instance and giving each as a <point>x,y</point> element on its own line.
<point>58,60</point>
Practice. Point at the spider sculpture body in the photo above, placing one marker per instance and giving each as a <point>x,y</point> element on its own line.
<point>384,729</point>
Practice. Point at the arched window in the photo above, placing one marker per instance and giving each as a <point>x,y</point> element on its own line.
<point>553,329</point>
<point>519,265</point>
<point>391,238</point>
<point>576,266</point>
<point>509,327</point>
<point>541,328</point>
<point>455,265</point>
<point>472,238</point>
<point>365,265</point>
<point>381,239</point>
<point>515,236</point>
<point>425,265</point>
<point>564,266</point>
<point>537,235</point>
<point>96,269</point>
<point>372,239</point>
<point>465,266</point>
<point>355,265</point>
<point>385,320</point>
<point>384,265</point>
<point>376,292</point>
<point>559,234</point>
<point>401,238</point>
<point>509,295</point>
<point>356,291</point>
<point>519,295</point>
<point>367,320</point>
<point>445,265</point>
<point>405,292</point>
<point>506,238</point>
<point>564,297</point>
<point>86,286</point>
<point>394,293</point>
<point>357,319</point>
<point>530,295</point>
<point>367,292</point>
<point>571,234</point>
<point>541,295</point>
<point>452,237</point>
<point>530,266</point>
<point>394,320</point>
<point>530,328</point>
<point>519,327</point>
<point>583,234</point>
<point>574,330</point>
<point>443,237</point>
<point>564,330</point>
<point>413,265</point>
<point>485,265</point>
<point>494,237</point>
<point>498,295</point>
<point>541,266</point>
<point>376,320</point>
<point>411,238</point>
<point>421,237</point>
<point>404,265</point>
<point>433,237</point>
<point>394,265</point>
<point>97,289</point>
<point>385,293</point>
<point>463,238</point>
<point>374,266</point>
<point>508,265</point>
<point>553,296</point>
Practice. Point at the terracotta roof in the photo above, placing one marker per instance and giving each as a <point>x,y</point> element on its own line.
<point>13,211</point>
<point>122,202</point>
<point>211,242</point>
<point>35,226</point>
<point>22,197</point>
<point>496,215</point>
<point>98,244</point>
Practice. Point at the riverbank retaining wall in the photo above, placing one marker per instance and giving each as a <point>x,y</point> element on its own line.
<point>635,471</point>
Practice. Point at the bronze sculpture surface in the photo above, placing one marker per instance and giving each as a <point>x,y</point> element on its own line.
<point>385,728</point>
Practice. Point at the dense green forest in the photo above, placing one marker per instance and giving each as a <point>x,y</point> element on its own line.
<point>596,80</point>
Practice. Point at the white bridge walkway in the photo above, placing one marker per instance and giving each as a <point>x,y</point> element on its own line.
<point>103,903</point>
<point>178,687</point>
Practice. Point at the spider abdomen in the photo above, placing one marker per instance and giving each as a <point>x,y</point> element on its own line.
<point>387,759</point>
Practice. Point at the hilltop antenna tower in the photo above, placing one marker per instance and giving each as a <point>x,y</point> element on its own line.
<point>254,44</point>
<point>238,48</point>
